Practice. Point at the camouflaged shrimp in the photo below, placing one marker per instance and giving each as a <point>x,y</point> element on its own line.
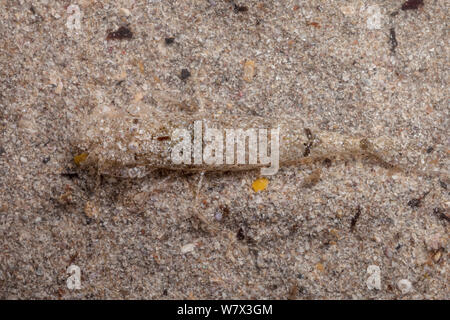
<point>132,144</point>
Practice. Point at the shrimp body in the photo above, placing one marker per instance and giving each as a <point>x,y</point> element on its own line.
<point>126,144</point>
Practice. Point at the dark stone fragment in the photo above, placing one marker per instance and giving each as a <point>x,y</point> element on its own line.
<point>414,203</point>
<point>412,4</point>
<point>121,34</point>
<point>185,74</point>
<point>240,235</point>
<point>169,40</point>
<point>237,8</point>
<point>393,39</point>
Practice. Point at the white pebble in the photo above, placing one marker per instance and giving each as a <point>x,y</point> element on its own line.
<point>187,248</point>
<point>125,12</point>
<point>374,17</point>
<point>374,281</point>
<point>404,285</point>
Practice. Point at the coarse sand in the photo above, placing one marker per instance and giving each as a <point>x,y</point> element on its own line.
<point>335,229</point>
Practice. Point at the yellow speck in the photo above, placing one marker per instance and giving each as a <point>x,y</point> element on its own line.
<point>320,267</point>
<point>78,159</point>
<point>260,184</point>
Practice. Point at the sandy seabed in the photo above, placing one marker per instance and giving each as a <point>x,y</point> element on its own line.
<point>358,231</point>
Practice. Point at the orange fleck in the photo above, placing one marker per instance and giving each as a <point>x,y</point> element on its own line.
<point>140,65</point>
<point>78,159</point>
<point>314,24</point>
<point>260,184</point>
<point>320,267</point>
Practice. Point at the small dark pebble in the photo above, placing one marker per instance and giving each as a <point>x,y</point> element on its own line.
<point>237,8</point>
<point>398,246</point>
<point>443,185</point>
<point>327,162</point>
<point>45,160</point>
<point>307,148</point>
<point>414,203</point>
<point>355,219</point>
<point>185,74</point>
<point>70,175</point>
<point>121,34</point>
<point>2,151</point>
<point>165,292</point>
<point>240,234</point>
<point>169,40</point>
<point>393,39</point>
<point>412,4</point>
<point>430,149</point>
